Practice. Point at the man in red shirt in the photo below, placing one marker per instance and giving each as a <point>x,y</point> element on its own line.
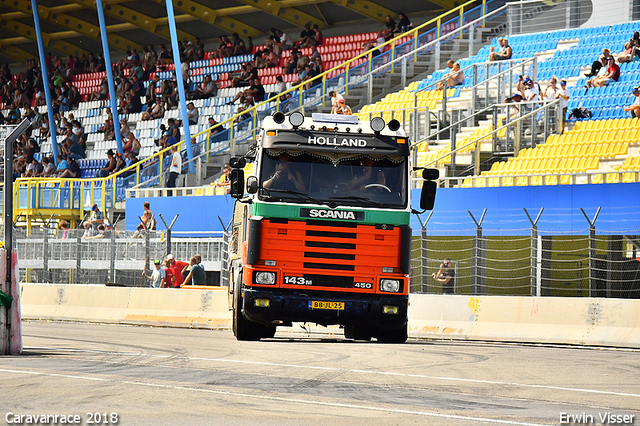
<point>176,267</point>
<point>611,76</point>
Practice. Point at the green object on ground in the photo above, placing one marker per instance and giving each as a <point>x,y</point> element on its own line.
<point>5,299</point>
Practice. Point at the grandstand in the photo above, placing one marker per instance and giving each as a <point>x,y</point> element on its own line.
<point>564,53</point>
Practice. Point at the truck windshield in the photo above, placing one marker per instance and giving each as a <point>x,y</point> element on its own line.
<point>321,178</point>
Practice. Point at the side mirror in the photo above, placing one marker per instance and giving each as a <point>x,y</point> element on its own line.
<point>237,183</point>
<point>252,184</point>
<point>428,195</point>
<point>430,174</point>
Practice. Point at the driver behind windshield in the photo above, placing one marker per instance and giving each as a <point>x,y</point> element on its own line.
<point>285,178</point>
<point>366,175</point>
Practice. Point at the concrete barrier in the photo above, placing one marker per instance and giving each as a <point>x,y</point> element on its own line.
<point>576,321</point>
<point>98,303</point>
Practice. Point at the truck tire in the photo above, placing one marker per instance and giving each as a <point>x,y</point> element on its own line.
<point>244,329</point>
<point>397,335</point>
<point>354,332</point>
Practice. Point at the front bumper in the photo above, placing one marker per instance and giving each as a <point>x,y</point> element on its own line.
<point>293,306</point>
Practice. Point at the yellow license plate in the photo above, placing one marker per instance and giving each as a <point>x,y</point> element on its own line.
<point>335,306</point>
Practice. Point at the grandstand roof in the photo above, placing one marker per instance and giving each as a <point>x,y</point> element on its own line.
<point>71,26</point>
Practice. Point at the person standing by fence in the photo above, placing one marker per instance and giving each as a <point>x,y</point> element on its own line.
<point>446,276</point>
<point>157,276</point>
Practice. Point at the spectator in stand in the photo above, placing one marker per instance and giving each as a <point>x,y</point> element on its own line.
<point>335,97</point>
<point>73,150</point>
<point>285,43</point>
<point>101,94</point>
<point>611,75</point>
<point>207,89</point>
<point>392,26</point>
<point>319,36</point>
<point>192,114</point>
<point>107,128</point>
<point>62,165</point>
<point>34,168</point>
<point>225,48</point>
<point>174,129</point>
<point>629,54</point>
<point>341,108</point>
<point>454,78</point>
<point>169,93</point>
<point>148,219</point>
<point>281,86</point>
<point>131,144</point>
<point>215,134</point>
<point>49,167</point>
<point>120,164</point>
<point>150,92</point>
<point>111,165</point>
<point>308,73</point>
<point>599,63</point>
<point>564,96</point>
<point>404,24</point>
<point>291,64</point>
<point>246,77</point>
<point>133,103</point>
<point>73,94</point>
<point>96,219</point>
<point>239,47</point>
<point>505,52</point>
<point>634,108</point>
<point>270,58</point>
<point>551,90</point>
<point>156,111</point>
<point>224,181</point>
<point>174,169</point>
<point>195,150</point>
<point>124,127</point>
<point>307,37</point>
<point>246,103</point>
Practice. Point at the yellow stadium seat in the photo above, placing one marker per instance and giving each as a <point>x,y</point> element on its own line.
<point>629,177</point>
<point>522,181</point>
<point>210,190</point>
<point>613,178</point>
<point>494,182</point>
<point>627,163</point>
<point>551,180</point>
<point>596,178</point>
<point>565,179</point>
<point>623,148</point>
<point>536,180</point>
<point>466,183</point>
<point>507,181</point>
<point>635,165</point>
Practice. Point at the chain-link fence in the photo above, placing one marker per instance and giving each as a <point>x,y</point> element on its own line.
<point>590,262</point>
<point>77,256</point>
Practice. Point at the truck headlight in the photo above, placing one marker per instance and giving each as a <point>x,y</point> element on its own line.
<point>391,286</point>
<point>262,277</point>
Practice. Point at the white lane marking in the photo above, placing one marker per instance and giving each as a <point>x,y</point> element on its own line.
<point>280,399</point>
<point>347,370</point>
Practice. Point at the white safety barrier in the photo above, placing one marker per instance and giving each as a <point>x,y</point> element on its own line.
<point>10,326</point>
<point>98,303</point>
<point>575,321</point>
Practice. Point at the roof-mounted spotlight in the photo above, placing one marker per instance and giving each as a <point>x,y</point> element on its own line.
<point>393,125</point>
<point>377,124</point>
<point>278,117</point>
<point>296,119</point>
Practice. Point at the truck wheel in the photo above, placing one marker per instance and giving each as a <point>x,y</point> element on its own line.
<point>242,329</point>
<point>354,332</point>
<point>397,335</point>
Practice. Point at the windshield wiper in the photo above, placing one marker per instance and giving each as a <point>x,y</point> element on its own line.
<point>301,195</point>
<point>368,201</point>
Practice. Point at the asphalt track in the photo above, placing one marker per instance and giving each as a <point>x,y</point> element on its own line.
<point>169,376</point>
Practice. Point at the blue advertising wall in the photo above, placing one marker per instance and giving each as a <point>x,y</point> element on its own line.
<point>620,210</point>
